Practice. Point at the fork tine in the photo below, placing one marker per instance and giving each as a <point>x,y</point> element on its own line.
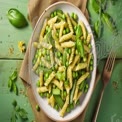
<point>110,61</point>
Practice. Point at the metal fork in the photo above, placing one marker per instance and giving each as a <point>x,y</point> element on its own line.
<point>105,78</point>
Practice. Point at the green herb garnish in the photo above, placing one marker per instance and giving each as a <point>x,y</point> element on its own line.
<point>18,112</point>
<point>12,83</point>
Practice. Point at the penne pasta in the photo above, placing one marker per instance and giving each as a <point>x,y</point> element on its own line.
<point>86,48</point>
<point>52,20</point>
<point>51,101</point>
<point>69,23</point>
<point>72,55</point>
<point>78,96</point>
<point>76,93</point>
<point>61,68</point>
<point>58,84</point>
<point>36,64</point>
<point>88,62</point>
<point>77,57</point>
<point>43,29</point>
<point>82,78</point>
<point>51,76</point>
<point>41,78</point>
<point>42,89</point>
<point>88,38</point>
<point>80,66</point>
<point>63,110</point>
<point>58,47</point>
<point>52,57</point>
<point>68,44</point>
<point>69,76</point>
<point>66,37</point>
<point>83,29</point>
<point>46,63</point>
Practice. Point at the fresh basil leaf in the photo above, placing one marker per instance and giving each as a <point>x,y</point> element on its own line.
<point>17,108</point>
<point>15,89</point>
<point>13,117</point>
<point>109,22</point>
<point>23,113</point>
<point>78,31</point>
<point>95,5</point>
<point>14,103</point>
<point>98,28</point>
<point>14,75</point>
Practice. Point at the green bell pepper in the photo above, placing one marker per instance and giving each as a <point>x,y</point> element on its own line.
<point>16,18</point>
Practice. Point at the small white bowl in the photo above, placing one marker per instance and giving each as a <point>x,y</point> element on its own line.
<point>48,110</point>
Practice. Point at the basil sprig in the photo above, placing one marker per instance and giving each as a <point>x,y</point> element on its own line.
<point>18,112</point>
<point>99,7</point>
<point>12,82</point>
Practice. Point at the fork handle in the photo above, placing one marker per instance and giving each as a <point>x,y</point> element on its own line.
<point>98,105</point>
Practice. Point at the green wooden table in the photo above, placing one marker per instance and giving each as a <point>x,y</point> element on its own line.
<point>11,58</point>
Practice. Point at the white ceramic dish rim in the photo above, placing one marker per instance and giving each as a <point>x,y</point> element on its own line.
<point>77,111</point>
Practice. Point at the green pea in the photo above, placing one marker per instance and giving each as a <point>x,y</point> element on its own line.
<point>68,109</point>
<point>91,62</point>
<point>76,51</point>
<point>64,32</point>
<point>76,74</point>
<point>44,51</point>
<point>48,57</point>
<point>57,34</point>
<point>73,74</point>
<point>91,68</point>
<point>75,17</point>
<point>52,15</point>
<point>37,108</point>
<point>69,50</point>
<point>38,83</point>
<point>72,15</point>
<point>67,63</point>
<point>64,93</point>
<point>56,107</point>
<point>89,46</point>
<point>84,59</point>
<point>75,28</point>
<point>58,54</point>
<point>63,16</point>
<point>55,13</point>
<point>67,30</point>
<point>46,75</point>
<point>14,103</point>
<point>56,66</point>
<point>16,18</point>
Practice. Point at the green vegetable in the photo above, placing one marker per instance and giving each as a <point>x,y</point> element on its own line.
<point>60,75</point>
<point>64,57</point>
<point>97,28</point>
<point>80,48</point>
<point>59,100</point>
<point>12,83</point>
<point>56,91</point>
<point>78,31</point>
<point>109,22</point>
<point>72,93</point>
<point>18,112</point>
<point>95,5</point>
<point>16,18</point>
<point>37,108</point>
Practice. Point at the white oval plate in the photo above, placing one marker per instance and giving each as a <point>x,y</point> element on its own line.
<point>50,112</point>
